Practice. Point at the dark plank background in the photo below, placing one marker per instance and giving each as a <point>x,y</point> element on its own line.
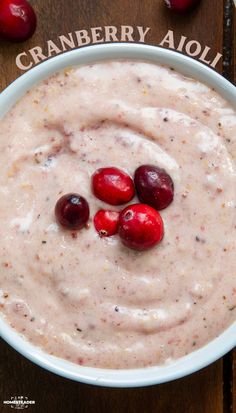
<point>212,390</point>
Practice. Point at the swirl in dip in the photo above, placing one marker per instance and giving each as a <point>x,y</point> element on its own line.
<point>92,300</point>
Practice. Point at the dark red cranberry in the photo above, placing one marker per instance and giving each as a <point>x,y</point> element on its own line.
<point>181,5</point>
<point>113,186</point>
<point>140,227</point>
<point>72,211</point>
<point>17,20</point>
<point>106,222</point>
<point>154,186</point>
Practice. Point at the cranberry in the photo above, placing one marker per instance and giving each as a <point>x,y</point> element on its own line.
<point>181,5</point>
<point>140,227</point>
<point>72,211</point>
<point>106,222</point>
<point>154,186</point>
<point>17,20</point>
<point>113,186</point>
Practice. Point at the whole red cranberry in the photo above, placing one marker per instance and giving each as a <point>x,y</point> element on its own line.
<point>17,20</point>
<point>181,5</point>
<point>154,186</point>
<point>140,227</point>
<point>72,211</point>
<point>106,222</point>
<point>112,185</point>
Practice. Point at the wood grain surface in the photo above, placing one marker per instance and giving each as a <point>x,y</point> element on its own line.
<point>212,390</point>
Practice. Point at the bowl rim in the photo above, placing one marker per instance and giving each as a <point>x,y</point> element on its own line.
<point>137,377</point>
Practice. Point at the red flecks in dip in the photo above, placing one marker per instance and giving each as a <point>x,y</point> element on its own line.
<point>17,20</point>
<point>140,227</point>
<point>100,302</point>
<point>106,222</point>
<point>113,186</point>
<point>72,211</point>
<point>154,186</point>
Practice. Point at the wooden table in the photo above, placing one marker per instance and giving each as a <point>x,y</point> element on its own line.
<point>212,390</point>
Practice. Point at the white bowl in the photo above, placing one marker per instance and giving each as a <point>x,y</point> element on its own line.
<point>133,377</point>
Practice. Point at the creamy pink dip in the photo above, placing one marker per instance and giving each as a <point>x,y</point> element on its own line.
<point>92,300</point>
